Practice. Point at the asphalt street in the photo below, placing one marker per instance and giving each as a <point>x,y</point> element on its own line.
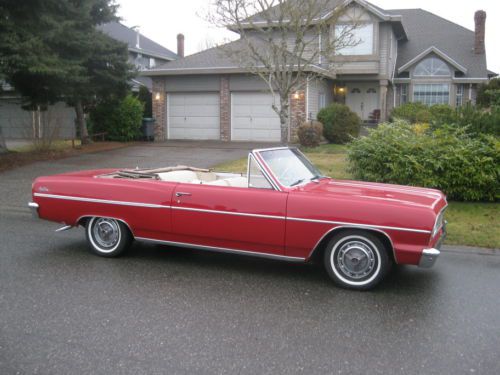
<point>166,310</point>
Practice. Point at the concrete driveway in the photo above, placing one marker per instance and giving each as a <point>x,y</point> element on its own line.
<point>164,310</point>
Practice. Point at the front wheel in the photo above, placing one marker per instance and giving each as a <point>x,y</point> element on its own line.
<point>107,237</point>
<point>356,259</point>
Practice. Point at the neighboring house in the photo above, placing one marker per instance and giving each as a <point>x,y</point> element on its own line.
<point>143,52</point>
<point>404,55</point>
<point>59,119</point>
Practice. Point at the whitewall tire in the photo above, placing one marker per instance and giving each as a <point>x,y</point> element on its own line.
<point>107,237</point>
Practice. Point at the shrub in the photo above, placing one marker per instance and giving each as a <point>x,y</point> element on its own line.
<point>340,124</point>
<point>464,167</point>
<point>310,133</point>
<point>479,121</point>
<point>121,119</point>
<point>442,114</point>
<point>147,100</point>
<point>411,112</point>
<point>489,94</point>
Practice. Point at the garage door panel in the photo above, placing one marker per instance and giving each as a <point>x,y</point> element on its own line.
<point>194,116</point>
<point>253,118</point>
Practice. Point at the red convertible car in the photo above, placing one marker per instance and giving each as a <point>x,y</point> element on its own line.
<point>282,208</point>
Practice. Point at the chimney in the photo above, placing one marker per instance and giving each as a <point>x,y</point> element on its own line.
<point>180,45</point>
<point>480,31</point>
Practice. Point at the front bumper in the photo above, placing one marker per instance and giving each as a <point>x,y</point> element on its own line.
<point>34,209</point>
<point>430,256</point>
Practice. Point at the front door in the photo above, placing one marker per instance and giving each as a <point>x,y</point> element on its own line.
<point>363,98</point>
<point>248,219</point>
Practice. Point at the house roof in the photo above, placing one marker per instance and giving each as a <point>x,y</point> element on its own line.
<point>426,30</point>
<point>213,60</point>
<point>124,34</point>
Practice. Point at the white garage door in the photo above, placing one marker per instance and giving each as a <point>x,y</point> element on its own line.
<point>193,116</point>
<point>253,118</point>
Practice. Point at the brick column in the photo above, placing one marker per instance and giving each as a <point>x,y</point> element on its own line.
<point>225,109</point>
<point>298,113</point>
<point>160,108</point>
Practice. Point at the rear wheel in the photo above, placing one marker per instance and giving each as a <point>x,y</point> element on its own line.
<point>356,259</point>
<point>107,237</point>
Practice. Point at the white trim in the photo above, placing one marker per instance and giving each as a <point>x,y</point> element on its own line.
<point>228,213</point>
<point>104,201</point>
<point>167,117</point>
<point>366,226</point>
<point>224,250</point>
<point>307,99</point>
<point>438,52</point>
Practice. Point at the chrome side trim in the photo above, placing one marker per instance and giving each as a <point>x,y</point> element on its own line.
<point>353,227</point>
<point>428,258</point>
<point>62,229</point>
<point>228,213</point>
<point>367,226</point>
<point>223,250</point>
<point>34,209</point>
<point>104,201</point>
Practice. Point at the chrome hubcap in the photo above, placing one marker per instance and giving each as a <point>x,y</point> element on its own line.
<point>356,259</point>
<point>106,232</point>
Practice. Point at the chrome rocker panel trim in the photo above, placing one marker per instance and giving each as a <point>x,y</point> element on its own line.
<point>224,250</point>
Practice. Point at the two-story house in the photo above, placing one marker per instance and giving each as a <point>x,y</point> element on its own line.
<point>403,55</point>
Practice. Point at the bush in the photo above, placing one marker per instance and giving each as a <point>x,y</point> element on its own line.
<point>411,112</point>
<point>340,124</point>
<point>489,94</point>
<point>442,114</point>
<point>121,119</point>
<point>146,99</point>
<point>464,167</point>
<point>479,121</point>
<point>310,133</point>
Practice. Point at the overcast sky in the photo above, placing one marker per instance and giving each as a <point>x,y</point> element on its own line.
<point>162,20</point>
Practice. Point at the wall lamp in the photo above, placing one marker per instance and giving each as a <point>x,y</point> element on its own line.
<point>157,96</point>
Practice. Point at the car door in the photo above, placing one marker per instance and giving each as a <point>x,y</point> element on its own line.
<point>248,219</point>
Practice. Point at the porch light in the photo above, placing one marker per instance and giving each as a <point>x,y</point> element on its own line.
<point>296,95</point>
<point>341,90</point>
<point>157,96</point>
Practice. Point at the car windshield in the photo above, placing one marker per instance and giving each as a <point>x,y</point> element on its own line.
<point>290,166</point>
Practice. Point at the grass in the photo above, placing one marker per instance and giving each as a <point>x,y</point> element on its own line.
<point>469,223</point>
<point>28,154</point>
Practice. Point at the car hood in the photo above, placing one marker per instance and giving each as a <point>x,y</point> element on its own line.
<point>386,193</point>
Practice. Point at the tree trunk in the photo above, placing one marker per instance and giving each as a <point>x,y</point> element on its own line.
<point>284,117</point>
<point>3,146</point>
<point>80,122</point>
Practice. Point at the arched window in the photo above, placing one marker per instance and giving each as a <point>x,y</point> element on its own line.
<point>432,67</point>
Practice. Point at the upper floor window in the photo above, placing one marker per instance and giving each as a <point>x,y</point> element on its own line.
<point>360,39</point>
<point>432,67</point>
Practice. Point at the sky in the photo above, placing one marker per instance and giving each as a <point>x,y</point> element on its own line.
<point>162,20</point>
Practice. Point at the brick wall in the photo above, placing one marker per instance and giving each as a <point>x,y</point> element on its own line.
<point>225,109</point>
<point>297,112</point>
<point>159,108</point>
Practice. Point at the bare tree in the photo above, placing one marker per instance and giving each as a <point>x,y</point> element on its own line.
<point>284,42</point>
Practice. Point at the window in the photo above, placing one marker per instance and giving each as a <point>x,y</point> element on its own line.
<point>431,94</point>
<point>459,101</point>
<point>152,62</point>
<point>321,100</point>
<point>403,94</point>
<point>256,178</point>
<point>359,40</point>
<point>432,67</point>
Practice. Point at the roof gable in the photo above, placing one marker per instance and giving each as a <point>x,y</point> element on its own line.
<point>429,51</point>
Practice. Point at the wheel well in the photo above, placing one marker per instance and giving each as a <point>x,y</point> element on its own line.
<point>317,254</point>
<point>83,221</point>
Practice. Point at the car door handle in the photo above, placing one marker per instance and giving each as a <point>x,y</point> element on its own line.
<point>181,194</point>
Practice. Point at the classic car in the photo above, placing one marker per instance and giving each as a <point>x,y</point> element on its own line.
<point>282,208</point>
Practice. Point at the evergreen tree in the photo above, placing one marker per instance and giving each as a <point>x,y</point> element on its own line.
<point>50,50</point>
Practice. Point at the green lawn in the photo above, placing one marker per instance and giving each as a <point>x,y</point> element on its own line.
<point>469,224</point>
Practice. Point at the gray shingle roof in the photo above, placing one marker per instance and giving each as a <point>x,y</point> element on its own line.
<point>120,32</point>
<point>426,29</point>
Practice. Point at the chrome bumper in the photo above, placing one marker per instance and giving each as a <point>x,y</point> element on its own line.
<point>34,209</point>
<point>429,256</point>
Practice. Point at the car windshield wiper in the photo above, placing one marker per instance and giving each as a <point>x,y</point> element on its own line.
<point>317,177</point>
<point>298,182</point>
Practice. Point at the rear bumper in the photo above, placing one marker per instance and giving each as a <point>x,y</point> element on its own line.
<point>430,256</point>
<point>34,209</point>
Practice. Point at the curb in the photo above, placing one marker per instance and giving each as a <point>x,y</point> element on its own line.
<point>457,249</point>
